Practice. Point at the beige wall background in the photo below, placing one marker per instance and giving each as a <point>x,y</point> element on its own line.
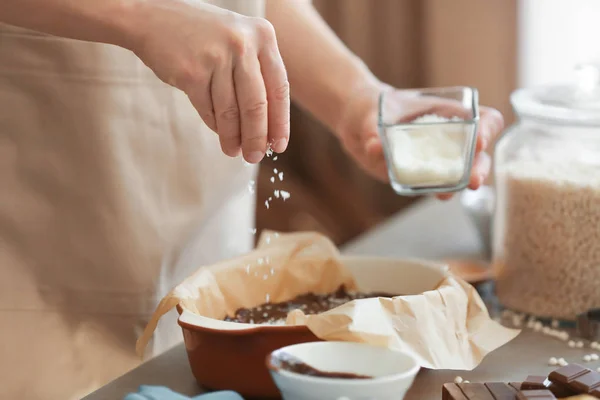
<point>407,43</point>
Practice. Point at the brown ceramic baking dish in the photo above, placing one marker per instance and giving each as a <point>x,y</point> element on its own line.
<point>230,356</point>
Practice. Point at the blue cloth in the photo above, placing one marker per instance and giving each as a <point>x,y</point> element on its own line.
<point>146,392</point>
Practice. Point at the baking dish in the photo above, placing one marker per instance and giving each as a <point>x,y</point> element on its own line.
<point>229,355</point>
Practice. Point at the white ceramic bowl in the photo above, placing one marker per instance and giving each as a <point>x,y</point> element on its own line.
<point>393,372</point>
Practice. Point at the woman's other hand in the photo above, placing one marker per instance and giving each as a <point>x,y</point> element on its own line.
<point>357,131</point>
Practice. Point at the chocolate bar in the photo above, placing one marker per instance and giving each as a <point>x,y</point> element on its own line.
<point>493,391</point>
<point>578,379</point>
<point>541,394</point>
<point>567,381</point>
<point>533,385</point>
<point>479,391</point>
<point>535,382</point>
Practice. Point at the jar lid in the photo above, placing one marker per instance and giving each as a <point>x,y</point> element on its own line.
<point>574,103</point>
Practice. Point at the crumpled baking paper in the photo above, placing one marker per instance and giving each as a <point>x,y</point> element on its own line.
<point>447,327</point>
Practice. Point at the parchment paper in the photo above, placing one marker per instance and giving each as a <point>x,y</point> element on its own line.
<point>445,328</point>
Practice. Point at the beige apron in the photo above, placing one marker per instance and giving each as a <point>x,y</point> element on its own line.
<point>106,175</point>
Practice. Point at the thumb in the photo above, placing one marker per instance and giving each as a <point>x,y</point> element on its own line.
<point>375,158</point>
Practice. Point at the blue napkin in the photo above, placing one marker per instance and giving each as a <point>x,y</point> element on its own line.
<point>146,392</point>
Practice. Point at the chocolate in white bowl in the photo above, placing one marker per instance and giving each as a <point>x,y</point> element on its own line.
<point>337,370</point>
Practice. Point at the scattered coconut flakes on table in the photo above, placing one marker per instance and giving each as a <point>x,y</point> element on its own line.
<point>562,362</point>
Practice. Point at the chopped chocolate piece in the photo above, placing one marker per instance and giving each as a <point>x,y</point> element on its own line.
<point>534,382</point>
<point>578,379</point>
<point>309,303</point>
<point>587,382</point>
<point>501,391</point>
<point>560,391</point>
<point>536,394</point>
<point>476,391</point>
<point>595,393</point>
<point>451,391</point>
<point>568,373</point>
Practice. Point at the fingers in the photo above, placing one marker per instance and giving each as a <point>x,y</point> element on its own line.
<point>444,196</point>
<point>253,109</point>
<point>201,99</point>
<point>278,97</point>
<point>376,159</point>
<point>480,171</point>
<point>491,124</point>
<point>226,112</point>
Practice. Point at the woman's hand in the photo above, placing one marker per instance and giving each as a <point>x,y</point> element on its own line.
<point>229,66</point>
<point>357,131</point>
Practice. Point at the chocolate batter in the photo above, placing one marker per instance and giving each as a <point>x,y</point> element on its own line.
<point>310,303</point>
<point>290,363</point>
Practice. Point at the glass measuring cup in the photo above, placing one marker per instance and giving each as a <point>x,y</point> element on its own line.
<point>429,138</point>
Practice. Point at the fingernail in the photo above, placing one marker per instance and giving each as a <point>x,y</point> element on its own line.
<point>279,146</point>
<point>255,157</point>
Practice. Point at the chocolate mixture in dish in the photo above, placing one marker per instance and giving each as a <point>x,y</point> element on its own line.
<point>290,363</point>
<point>310,303</point>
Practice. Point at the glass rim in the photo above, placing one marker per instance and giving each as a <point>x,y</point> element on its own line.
<point>474,108</point>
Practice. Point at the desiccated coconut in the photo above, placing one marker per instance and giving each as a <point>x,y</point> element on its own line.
<point>547,233</point>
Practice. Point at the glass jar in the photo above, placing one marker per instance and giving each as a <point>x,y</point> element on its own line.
<point>546,228</point>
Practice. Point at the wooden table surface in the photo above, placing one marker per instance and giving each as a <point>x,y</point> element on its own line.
<point>432,230</point>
